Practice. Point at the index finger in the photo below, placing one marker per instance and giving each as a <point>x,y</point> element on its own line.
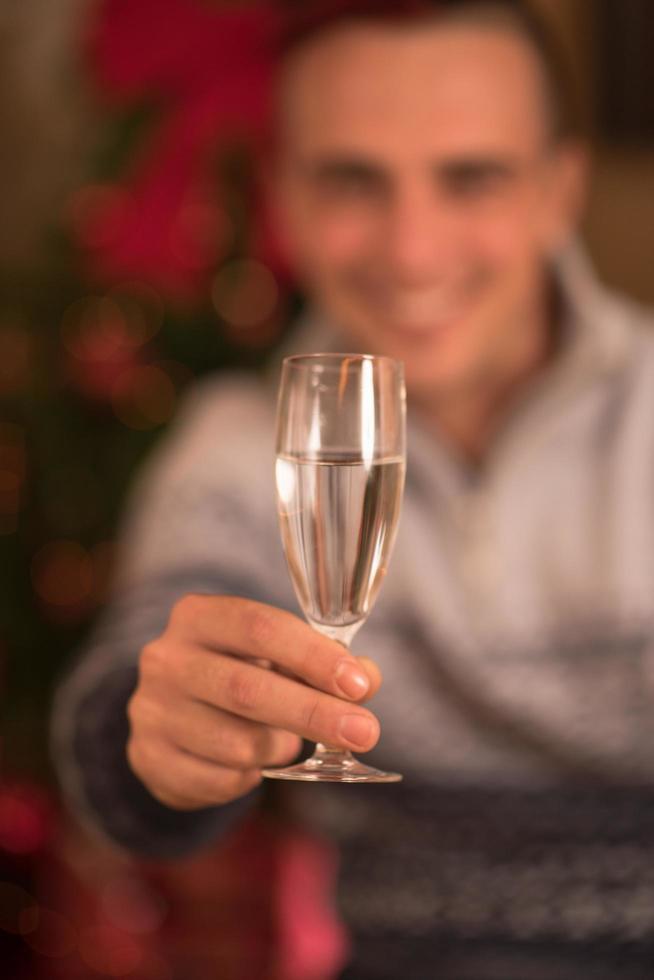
<point>242,627</point>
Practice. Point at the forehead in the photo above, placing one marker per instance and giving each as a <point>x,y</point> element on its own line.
<point>432,87</point>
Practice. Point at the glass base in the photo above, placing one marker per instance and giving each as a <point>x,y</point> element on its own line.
<point>328,765</point>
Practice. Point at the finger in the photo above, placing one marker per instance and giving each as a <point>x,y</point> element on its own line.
<point>253,630</point>
<point>186,782</point>
<point>374,676</point>
<point>273,699</point>
<point>216,735</point>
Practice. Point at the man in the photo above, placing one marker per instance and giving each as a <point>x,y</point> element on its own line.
<point>428,189</point>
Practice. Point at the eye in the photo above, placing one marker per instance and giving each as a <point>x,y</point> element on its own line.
<point>353,183</point>
<point>472,182</point>
<point>349,182</point>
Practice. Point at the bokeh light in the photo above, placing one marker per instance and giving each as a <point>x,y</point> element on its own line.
<point>142,305</point>
<point>102,343</point>
<point>96,214</point>
<point>25,821</point>
<point>145,398</point>
<point>100,327</point>
<point>105,336</point>
<point>203,232</point>
<point>130,905</point>
<point>109,951</point>
<point>245,294</point>
<point>63,578</point>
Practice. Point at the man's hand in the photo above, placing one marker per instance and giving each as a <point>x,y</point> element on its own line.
<point>232,686</point>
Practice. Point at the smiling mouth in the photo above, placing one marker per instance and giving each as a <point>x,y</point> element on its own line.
<point>421,313</point>
<point>425,314</point>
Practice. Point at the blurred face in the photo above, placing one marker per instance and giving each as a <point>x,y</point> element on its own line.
<point>419,195</point>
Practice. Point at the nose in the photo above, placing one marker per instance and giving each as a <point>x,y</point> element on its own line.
<point>419,239</point>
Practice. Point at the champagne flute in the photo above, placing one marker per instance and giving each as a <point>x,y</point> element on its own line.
<point>339,477</point>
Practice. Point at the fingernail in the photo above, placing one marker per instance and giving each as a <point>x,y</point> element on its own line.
<point>357,729</point>
<point>351,680</point>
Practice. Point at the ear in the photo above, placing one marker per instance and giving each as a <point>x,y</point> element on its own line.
<point>569,170</point>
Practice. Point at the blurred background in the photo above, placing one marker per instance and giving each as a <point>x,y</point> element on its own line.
<point>135,257</point>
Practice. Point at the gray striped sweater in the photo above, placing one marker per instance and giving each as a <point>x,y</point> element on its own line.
<point>515,632</point>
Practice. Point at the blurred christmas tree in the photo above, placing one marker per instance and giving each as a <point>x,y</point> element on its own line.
<point>156,271</point>
<point>157,267</point>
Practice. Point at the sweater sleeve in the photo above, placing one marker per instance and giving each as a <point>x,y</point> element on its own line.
<point>201,520</point>
<point>111,796</point>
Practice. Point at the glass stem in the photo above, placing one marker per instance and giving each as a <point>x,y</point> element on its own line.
<point>329,753</point>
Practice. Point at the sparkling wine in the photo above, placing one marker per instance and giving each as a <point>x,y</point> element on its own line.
<point>338,520</point>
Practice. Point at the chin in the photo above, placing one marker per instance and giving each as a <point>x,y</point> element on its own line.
<point>441,339</point>
<point>422,379</point>
<point>427,351</point>
<point>431,358</point>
